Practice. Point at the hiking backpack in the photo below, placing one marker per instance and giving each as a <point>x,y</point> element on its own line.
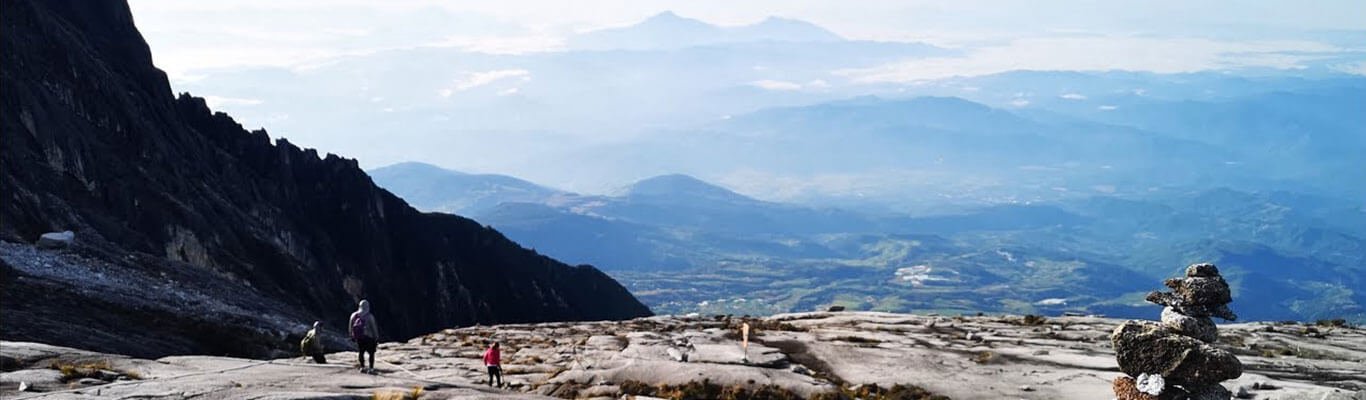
<point>358,327</point>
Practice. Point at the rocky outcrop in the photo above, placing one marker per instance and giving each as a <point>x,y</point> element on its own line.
<point>1179,349</point>
<point>56,240</point>
<point>95,143</point>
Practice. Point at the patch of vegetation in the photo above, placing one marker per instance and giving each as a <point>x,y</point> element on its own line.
<point>1033,320</point>
<point>101,370</point>
<point>984,357</point>
<point>873,392</point>
<point>414,394</point>
<point>706,390</point>
<point>1332,323</point>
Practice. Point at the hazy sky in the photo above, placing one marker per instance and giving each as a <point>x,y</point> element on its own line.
<point>1164,36</point>
<point>194,41</point>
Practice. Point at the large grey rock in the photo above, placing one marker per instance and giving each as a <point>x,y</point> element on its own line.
<point>56,240</point>
<point>1209,291</point>
<point>1149,348</point>
<point>1207,365</point>
<point>1200,328</point>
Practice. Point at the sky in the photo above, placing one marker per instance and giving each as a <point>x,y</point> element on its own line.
<point>198,43</point>
<point>189,38</point>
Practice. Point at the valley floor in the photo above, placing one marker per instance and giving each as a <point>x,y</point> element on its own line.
<point>803,354</point>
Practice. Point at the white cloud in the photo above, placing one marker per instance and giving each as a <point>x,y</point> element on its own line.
<point>1101,53</point>
<point>508,92</point>
<point>471,80</point>
<point>512,45</point>
<point>1074,96</point>
<point>769,84</point>
<point>1019,102</point>
<point>1358,68</point>
<point>1107,107</point>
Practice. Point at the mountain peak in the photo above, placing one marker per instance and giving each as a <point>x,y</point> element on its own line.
<point>681,186</point>
<point>413,167</point>
<point>667,15</point>
<point>670,20</point>
<point>668,30</point>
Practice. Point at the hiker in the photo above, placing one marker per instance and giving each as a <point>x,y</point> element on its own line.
<point>312,345</point>
<point>493,360</point>
<point>365,334</point>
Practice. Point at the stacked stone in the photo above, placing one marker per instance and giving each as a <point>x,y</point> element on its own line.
<point>1175,359</point>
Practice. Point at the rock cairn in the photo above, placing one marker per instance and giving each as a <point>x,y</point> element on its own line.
<point>1176,359</point>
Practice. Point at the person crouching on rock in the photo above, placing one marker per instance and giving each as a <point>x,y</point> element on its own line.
<point>312,345</point>
<point>365,334</point>
<point>493,360</point>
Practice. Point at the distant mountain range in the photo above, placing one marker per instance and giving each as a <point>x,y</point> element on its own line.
<point>666,31</point>
<point>686,245</point>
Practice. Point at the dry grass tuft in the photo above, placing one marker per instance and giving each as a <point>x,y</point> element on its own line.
<point>985,357</point>
<point>414,394</point>
<point>101,370</point>
<point>873,392</point>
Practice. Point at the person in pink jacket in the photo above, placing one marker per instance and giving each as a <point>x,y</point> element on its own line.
<point>493,360</point>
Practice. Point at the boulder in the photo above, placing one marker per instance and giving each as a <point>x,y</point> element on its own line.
<point>1203,269</point>
<point>1200,328</point>
<point>56,240</point>
<point>1207,365</point>
<point>1203,290</point>
<point>1149,348</point>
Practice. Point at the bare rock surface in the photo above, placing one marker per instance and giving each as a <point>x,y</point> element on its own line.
<point>806,354</point>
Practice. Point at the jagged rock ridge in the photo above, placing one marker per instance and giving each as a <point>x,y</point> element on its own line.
<point>95,142</point>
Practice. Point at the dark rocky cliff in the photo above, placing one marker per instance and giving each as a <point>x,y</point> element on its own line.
<point>95,142</point>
